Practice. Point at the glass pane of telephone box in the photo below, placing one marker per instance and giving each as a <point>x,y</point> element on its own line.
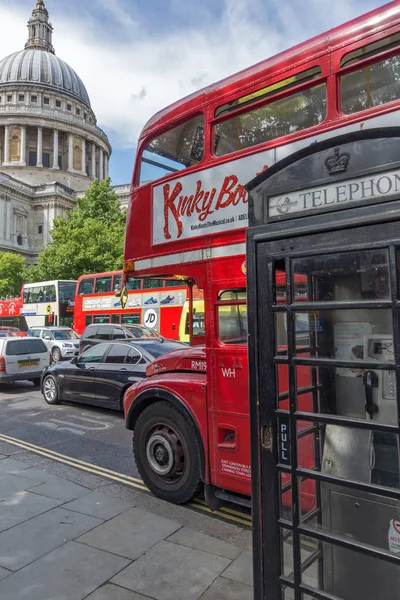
<point>344,276</point>
<point>363,389</point>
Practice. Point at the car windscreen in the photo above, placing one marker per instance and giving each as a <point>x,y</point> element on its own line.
<point>156,349</point>
<point>19,347</point>
<point>64,334</point>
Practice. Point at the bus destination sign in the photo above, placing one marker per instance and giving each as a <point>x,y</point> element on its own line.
<point>335,195</point>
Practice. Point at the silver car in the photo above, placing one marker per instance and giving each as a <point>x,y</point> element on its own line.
<point>22,358</point>
<point>62,342</point>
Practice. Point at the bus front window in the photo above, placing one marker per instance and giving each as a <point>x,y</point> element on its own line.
<point>175,150</point>
<point>66,291</point>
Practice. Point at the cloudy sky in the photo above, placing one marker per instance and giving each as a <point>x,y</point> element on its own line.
<point>137,56</point>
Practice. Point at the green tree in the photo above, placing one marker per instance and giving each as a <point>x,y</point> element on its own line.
<point>12,271</point>
<point>90,239</point>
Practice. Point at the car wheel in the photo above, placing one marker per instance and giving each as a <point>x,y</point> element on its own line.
<point>36,382</point>
<point>50,391</point>
<point>56,355</point>
<point>167,453</point>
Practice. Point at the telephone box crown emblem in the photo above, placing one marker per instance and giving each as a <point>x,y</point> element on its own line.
<point>338,162</point>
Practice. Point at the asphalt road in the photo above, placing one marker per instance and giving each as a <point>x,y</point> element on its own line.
<point>90,434</point>
<point>85,433</point>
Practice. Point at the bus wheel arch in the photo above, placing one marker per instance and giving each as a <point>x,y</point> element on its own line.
<point>168,450</point>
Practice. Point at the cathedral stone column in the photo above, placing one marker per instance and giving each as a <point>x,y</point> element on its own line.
<point>39,156</point>
<point>55,149</point>
<point>7,144</point>
<point>84,157</point>
<point>106,166</point>
<point>101,161</point>
<point>93,165</point>
<point>23,146</point>
<point>70,151</point>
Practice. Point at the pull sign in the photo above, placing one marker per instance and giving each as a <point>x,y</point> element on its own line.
<point>284,440</point>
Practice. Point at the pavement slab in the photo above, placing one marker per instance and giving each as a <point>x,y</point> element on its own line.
<point>4,573</point>
<point>130,534</point>
<point>10,465</point>
<point>241,569</point>
<point>67,573</point>
<point>172,572</point>
<point>114,592</point>
<point>28,541</point>
<point>60,489</point>
<point>200,541</point>
<point>99,505</point>
<point>226,589</point>
<point>21,506</point>
<point>12,483</point>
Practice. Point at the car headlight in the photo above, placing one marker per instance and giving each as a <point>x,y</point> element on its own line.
<point>67,346</point>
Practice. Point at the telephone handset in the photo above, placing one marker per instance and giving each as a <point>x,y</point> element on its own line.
<point>380,385</point>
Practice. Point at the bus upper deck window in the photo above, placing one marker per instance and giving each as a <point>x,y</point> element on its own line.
<point>374,84</point>
<point>103,285</point>
<point>86,286</point>
<point>272,119</point>
<point>175,150</point>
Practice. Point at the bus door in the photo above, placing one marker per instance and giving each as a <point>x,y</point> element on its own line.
<point>230,442</point>
<point>333,448</point>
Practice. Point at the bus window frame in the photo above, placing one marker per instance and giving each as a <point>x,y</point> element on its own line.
<point>153,134</point>
<point>358,66</point>
<point>280,95</point>
<point>219,303</point>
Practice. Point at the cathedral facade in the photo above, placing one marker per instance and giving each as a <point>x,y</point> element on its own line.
<point>51,148</point>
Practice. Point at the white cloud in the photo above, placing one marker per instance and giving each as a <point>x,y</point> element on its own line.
<point>132,77</point>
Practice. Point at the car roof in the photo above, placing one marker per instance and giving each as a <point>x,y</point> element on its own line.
<point>49,327</point>
<point>26,338</point>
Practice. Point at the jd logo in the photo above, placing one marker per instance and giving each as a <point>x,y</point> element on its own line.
<point>284,205</point>
<point>150,318</point>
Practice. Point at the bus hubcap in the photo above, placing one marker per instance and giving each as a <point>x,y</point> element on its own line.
<point>164,453</point>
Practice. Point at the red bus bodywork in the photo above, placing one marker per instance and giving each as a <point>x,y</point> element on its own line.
<point>166,300</point>
<point>216,400</point>
<point>10,316</point>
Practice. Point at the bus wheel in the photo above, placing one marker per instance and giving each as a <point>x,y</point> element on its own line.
<point>167,454</point>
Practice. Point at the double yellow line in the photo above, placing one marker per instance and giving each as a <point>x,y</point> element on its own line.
<point>226,513</point>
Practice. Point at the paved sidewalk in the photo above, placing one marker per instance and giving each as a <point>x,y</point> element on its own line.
<point>60,540</point>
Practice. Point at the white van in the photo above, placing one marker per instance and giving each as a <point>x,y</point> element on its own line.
<point>22,358</point>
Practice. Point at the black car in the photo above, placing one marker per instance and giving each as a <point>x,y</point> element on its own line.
<point>95,334</point>
<point>102,373</point>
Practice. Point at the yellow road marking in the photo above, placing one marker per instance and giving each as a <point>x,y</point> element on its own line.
<point>227,514</point>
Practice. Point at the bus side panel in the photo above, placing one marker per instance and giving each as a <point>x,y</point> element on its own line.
<point>170,318</point>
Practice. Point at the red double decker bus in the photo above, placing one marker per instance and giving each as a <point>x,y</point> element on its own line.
<point>187,218</point>
<point>11,317</point>
<point>157,302</point>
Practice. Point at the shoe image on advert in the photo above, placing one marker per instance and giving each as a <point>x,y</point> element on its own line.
<point>168,300</point>
<point>151,300</point>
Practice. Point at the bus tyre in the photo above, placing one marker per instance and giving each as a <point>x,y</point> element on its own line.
<point>56,355</point>
<point>50,390</point>
<point>167,453</point>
